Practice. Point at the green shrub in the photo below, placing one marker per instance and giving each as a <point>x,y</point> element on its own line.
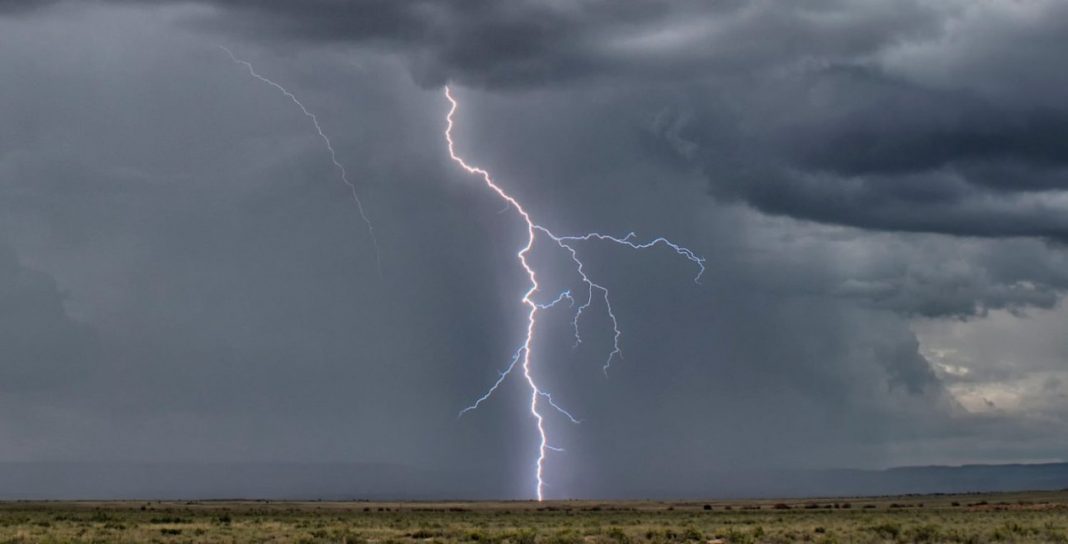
<point>925,533</point>
<point>887,530</point>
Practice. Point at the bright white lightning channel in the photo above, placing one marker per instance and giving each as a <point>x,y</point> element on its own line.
<point>522,357</point>
<point>326,142</point>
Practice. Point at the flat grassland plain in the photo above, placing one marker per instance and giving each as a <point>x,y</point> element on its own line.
<point>973,518</point>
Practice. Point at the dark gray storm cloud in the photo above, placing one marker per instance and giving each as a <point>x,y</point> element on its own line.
<point>185,279</point>
<point>14,7</point>
<point>857,113</point>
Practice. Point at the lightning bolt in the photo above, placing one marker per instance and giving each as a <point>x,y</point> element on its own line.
<point>326,142</point>
<point>523,356</point>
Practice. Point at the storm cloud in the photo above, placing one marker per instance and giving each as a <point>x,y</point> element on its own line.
<point>874,185</point>
<point>883,117</point>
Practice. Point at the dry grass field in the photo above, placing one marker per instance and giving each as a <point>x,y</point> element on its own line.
<point>978,518</point>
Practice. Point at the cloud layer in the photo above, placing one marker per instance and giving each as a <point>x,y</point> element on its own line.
<point>187,280</point>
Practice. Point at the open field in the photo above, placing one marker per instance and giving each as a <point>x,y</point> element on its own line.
<point>976,518</point>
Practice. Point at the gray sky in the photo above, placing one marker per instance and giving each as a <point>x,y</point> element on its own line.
<point>879,188</point>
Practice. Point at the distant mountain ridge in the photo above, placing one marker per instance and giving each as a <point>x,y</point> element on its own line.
<point>352,481</point>
<point>930,479</point>
<point>982,477</point>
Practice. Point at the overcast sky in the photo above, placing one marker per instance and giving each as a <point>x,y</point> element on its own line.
<point>880,190</point>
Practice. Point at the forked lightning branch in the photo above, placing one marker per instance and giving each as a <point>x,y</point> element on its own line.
<point>524,356</point>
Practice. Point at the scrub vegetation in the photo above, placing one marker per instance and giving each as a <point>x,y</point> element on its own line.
<point>977,518</point>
